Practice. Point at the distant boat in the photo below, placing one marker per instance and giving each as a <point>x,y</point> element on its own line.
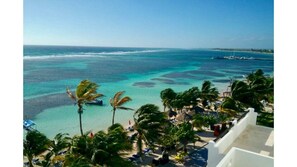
<point>234,58</point>
<point>95,102</point>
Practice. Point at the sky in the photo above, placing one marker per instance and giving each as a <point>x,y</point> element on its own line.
<point>147,23</point>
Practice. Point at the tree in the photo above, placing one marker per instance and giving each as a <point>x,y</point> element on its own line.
<point>82,146</point>
<point>231,106</point>
<point>168,139</point>
<point>107,146</point>
<point>167,96</point>
<point>117,103</point>
<point>85,91</point>
<point>246,94</point>
<point>178,102</point>
<point>149,123</point>
<point>250,93</point>
<point>74,160</point>
<point>190,96</point>
<point>208,93</point>
<point>185,134</point>
<point>60,142</point>
<point>199,121</point>
<point>104,148</point>
<point>34,144</point>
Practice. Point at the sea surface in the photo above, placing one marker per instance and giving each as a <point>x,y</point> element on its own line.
<point>141,72</point>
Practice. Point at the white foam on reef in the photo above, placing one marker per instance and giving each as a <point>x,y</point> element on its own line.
<point>60,56</point>
<point>121,52</point>
<point>90,54</point>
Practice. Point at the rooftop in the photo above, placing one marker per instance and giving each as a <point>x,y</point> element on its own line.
<point>257,139</point>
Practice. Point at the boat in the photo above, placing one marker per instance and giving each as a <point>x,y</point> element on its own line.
<point>95,102</point>
<point>234,58</point>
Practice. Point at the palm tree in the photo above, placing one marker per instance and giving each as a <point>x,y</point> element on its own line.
<point>85,91</point>
<point>190,96</point>
<point>255,75</point>
<point>104,148</point>
<point>208,92</point>
<point>107,147</point>
<point>199,121</point>
<point>60,142</point>
<point>74,160</point>
<point>116,102</point>
<point>82,146</point>
<point>34,144</point>
<point>167,96</point>
<point>247,94</point>
<point>185,134</point>
<point>149,123</point>
<point>231,106</point>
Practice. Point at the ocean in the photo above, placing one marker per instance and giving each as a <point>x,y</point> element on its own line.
<point>141,72</point>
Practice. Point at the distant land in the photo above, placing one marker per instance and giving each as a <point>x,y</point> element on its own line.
<point>247,50</point>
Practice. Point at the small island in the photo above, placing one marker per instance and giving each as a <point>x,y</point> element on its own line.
<point>247,50</point>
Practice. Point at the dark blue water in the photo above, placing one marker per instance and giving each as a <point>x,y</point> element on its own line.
<point>49,64</point>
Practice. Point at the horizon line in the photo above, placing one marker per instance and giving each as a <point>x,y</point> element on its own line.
<point>147,47</point>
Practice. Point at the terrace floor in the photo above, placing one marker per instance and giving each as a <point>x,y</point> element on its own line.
<point>258,139</point>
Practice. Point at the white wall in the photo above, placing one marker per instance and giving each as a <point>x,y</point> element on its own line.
<point>241,158</point>
<point>216,149</point>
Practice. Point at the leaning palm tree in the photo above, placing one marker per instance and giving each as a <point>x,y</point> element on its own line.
<point>85,91</point>
<point>117,103</point>
<point>61,141</point>
<point>208,92</point>
<point>34,144</point>
<point>108,147</point>
<point>167,96</point>
<point>149,123</point>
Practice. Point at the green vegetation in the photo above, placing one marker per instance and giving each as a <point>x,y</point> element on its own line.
<point>208,93</point>
<point>266,119</point>
<point>167,96</point>
<point>149,122</point>
<point>34,144</point>
<point>248,50</point>
<point>117,103</point>
<point>85,91</point>
<point>250,93</point>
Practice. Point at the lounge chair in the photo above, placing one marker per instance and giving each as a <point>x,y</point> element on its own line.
<point>36,161</point>
<point>26,164</point>
<point>62,152</point>
<point>147,151</point>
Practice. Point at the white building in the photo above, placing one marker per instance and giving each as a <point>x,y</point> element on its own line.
<point>245,145</point>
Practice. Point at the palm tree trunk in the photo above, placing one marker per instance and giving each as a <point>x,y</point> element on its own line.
<point>113,113</point>
<point>30,161</point>
<point>80,125</point>
<point>80,111</point>
<point>139,144</point>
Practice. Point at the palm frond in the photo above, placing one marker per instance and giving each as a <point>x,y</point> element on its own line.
<point>117,96</point>
<point>85,87</point>
<point>123,100</point>
<point>89,93</point>
<point>70,94</point>
<point>125,108</point>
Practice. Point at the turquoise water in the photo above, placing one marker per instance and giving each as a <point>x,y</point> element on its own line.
<point>141,72</point>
